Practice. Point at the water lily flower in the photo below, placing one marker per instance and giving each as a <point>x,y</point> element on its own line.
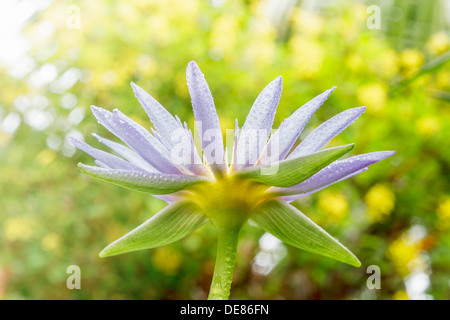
<point>266,172</point>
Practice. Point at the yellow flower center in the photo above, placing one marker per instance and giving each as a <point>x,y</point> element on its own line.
<point>228,198</point>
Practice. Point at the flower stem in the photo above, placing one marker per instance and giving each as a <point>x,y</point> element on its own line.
<point>227,239</point>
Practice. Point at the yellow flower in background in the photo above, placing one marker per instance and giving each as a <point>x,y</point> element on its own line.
<point>110,78</point>
<point>380,201</point>
<point>18,229</point>
<point>166,259</point>
<point>261,53</point>
<point>334,204</point>
<point>443,80</point>
<point>387,64</point>
<point>126,12</point>
<point>147,66</point>
<point>261,48</point>
<point>307,56</point>
<point>46,156</point>
<point>125,71</point>
<point>5,138</point>
<point>350,25</point>
<point>159,24</point>
<point>258,8</point>
<point>180,85</point>
<point>306,22</point>
<point>411,60</point>
<point>405,254</point>
<point>113,231</point>
<point>438,43</point>
<point>143,4</point>
<point>358,14</point>
<point>98,82</point>
<point>51,242</point>
<point>181,9</point>
<point>374,96</point>
<point>443,213</point>
<point>223,35</point>
<point>355,62</point>
<point>400,295</point>
<point>428,126</point>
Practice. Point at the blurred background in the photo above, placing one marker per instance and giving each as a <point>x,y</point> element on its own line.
<point>59,57</point>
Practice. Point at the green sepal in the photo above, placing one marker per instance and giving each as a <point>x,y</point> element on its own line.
<point>292,227</point>
<point>171,224</point>
<point>287,173</point>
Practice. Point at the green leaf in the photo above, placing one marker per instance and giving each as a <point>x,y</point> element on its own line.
<point>287,173</point>
<point>150,182</point>
<point>294,228</point>
<point>171,224</point>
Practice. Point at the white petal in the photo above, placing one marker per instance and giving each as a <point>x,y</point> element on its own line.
<point>205,114</point>
<point>105,159</point>
<point>283,139</point>
<point>127,153</point>
<point>164,123</point>
<point>258,124</point>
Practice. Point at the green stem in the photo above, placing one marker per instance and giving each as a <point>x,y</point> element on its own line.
<point>227,239</point>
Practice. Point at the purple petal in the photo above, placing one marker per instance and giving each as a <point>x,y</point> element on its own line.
<point>127,153</point>
<point>301,195</point>
<point>126,129</point>
<point>205,114</point>
<point>105,118</point>
<point>151,182</point>
<point>258,124</point>
<point>326,131</point>
<point>101,164</point>
<point>150,148</point>
<point>164,123</point>
<point>145,144</point>
<point>104,158</point>
<point>290,129</point>
<point>335,172</point>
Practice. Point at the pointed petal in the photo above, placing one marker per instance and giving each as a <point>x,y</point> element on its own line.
<point>136,137</point>
<point>103,157</point>
<point>127,153</point>
<point>326,131</point>
<point>145,144</point>
<point>290,172</point>
<point>171,224</point>
<point>123,122</point>
<point>164,123</point>
<point>101,164</point>
<point>205,114</point>
<point>301,195</point>
<point>283,139</point>
<point>258,124</point>
<point>294,228</point>
<point>154,183</point>
<point>335,172</point>
<point>105,118</point>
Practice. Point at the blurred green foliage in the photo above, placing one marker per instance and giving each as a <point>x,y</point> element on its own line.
<point>396,215</point>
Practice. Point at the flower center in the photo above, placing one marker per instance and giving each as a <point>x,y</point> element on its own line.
<point>229,199</point>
